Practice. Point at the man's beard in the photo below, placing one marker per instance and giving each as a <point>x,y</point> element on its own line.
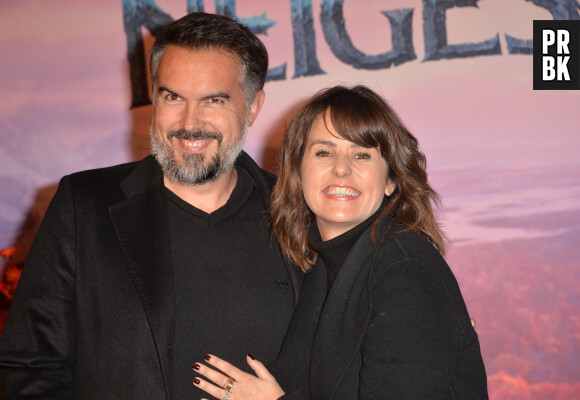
<point>196,169</point>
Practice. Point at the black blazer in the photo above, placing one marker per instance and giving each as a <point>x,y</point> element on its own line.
<point>393,326</point>
<point>94,310</point>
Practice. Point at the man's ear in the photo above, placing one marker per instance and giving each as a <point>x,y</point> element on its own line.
<point>256,106</point>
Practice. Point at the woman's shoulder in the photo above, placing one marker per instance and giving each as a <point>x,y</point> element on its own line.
<point>401,245</point>
<point>409,259</point>
<point>406,262</point>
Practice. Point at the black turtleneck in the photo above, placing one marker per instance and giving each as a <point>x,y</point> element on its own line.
<point>334,251</point>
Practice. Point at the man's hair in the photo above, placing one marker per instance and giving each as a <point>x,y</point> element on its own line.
<point>202,31</point>
<point>361,116</point>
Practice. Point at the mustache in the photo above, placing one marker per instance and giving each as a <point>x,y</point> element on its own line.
<point>196,134</point>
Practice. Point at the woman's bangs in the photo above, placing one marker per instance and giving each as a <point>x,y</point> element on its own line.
<point>356,124</point>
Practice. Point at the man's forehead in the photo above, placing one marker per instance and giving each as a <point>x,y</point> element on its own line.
<point>175,51</point>
<point>180,61</point>
<point>198,73</point>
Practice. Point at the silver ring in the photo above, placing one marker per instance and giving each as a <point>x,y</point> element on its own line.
<point>227,395</point>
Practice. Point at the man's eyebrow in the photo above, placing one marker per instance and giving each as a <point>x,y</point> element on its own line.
<point>221,95</point>
<point>166,89</point>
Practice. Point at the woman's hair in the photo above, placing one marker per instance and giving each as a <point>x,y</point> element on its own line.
<point>361,116</point>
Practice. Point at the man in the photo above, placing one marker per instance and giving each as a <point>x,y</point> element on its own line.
<point>138,270</point>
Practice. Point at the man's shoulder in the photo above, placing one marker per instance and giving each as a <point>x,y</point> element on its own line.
<point>263,179</point>
<point>107,178</point>
<point>110,171</point>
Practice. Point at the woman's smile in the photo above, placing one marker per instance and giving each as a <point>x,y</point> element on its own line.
<point>341,192</point>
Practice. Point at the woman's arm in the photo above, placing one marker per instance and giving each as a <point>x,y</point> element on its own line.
<point>418,335</point>
<point>411,341</point>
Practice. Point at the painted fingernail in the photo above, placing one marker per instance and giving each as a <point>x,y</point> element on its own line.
<point>196,381</point>
<point>195,366</point>
<point>251,356</point>
<point>207,357</point>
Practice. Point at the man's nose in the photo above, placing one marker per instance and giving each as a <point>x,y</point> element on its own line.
<point>192,118</point>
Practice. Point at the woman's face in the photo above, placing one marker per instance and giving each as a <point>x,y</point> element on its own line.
<point>343,183</point>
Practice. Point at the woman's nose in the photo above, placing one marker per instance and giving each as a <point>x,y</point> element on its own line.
<point>341,166</point>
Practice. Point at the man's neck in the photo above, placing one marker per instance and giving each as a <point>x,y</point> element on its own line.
<point>207,197</point>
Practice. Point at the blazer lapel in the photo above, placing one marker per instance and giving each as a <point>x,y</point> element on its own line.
<point>342,320</point>
<point>141,224</point>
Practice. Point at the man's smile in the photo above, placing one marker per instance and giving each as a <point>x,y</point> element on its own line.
<point>194,145</point>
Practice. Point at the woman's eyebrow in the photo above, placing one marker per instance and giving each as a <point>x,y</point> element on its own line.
<point>332,144</point>
<point>324,142</point>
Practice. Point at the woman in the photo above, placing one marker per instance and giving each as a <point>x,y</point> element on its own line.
<point>380,314</point>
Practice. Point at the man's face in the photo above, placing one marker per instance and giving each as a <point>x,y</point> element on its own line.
<point>199,115</point>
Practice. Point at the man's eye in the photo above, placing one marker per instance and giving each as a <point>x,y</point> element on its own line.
<point>216,100</point>
<point>171,97</point>
<point>362,156</point>
<point>322,153</point>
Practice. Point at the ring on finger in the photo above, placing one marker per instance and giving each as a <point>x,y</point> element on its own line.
<point>229,384</point>
<point>227,395</point>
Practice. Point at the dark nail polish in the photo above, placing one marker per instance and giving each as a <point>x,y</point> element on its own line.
<point>251,356</point>
<point>195,366</point>
<point>207,357</point>
<point>196,381</point>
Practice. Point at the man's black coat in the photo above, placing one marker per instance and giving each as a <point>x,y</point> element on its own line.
<point>94,310</point>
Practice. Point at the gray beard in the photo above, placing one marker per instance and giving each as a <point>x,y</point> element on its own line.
<point>196,169</point>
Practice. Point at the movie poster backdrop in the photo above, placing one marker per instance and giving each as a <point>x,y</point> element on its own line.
<point>75,94</point>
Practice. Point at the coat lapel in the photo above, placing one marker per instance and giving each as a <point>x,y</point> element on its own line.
<point>342,321</point>
<point>141,224</point>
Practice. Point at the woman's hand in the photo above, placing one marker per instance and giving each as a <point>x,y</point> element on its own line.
<point>241,385</point>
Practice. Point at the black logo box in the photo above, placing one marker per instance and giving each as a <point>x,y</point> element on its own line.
<point>573,64</point>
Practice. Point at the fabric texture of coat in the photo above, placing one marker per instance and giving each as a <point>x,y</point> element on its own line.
<point>94,310</point>
<point>393,326</point>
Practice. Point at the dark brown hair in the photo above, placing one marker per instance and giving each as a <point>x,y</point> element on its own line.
<point>361,116</point>
<point>203,31</point>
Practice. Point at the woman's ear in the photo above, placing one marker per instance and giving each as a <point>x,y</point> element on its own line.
<point>390,187</point>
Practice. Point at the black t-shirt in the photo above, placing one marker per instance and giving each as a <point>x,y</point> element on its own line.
<point>233,295</point>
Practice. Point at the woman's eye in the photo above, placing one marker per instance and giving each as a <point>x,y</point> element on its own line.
<point>322,153</point>
<point>362,156</point>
